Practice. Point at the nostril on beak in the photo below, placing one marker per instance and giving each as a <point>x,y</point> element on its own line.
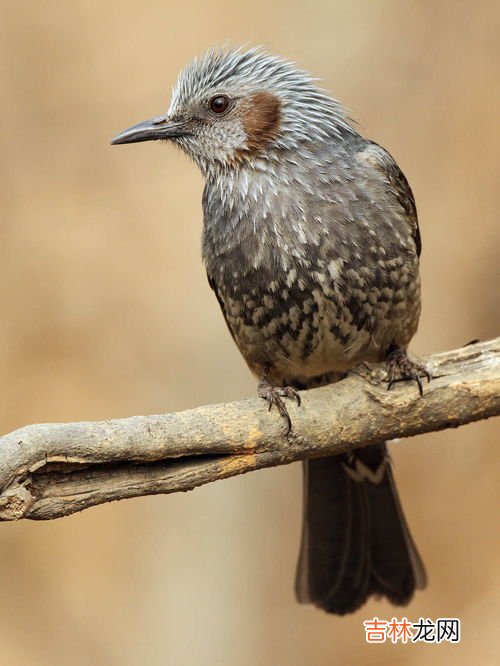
<point>160,120</point>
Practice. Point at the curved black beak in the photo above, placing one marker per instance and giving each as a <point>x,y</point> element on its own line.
<point>152,130</point>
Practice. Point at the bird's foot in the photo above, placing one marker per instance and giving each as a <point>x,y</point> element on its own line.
<point>274,395</point>
<point>401,367</point>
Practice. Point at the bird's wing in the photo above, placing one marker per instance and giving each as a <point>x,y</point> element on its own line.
<point>213,286</point>
<point>382,160</point>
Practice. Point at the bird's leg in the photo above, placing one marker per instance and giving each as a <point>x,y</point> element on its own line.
<point>400,366</point>
<point>274,394</point>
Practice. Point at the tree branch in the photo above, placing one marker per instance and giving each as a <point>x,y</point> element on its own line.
<point>52,470</point>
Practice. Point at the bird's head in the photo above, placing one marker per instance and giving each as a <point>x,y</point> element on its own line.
<point>231,106</point>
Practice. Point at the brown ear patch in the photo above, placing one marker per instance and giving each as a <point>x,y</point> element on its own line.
<point>261,120</point>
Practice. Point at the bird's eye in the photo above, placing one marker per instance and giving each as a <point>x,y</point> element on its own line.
<point>219,103</point>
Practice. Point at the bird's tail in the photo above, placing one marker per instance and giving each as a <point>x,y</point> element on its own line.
<point>355,540</point>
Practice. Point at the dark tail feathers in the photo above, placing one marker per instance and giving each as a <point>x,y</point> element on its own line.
<point>355,540</point>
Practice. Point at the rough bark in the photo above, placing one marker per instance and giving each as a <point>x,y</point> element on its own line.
<point>52,470</point>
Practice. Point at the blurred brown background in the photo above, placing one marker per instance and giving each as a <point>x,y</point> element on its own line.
<point>106,312</point>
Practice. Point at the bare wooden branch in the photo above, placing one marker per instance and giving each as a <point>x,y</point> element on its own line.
<point>52,470</point>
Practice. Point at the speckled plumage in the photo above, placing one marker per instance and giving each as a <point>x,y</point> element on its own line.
<point>311,245</point>
<point>317,277</point>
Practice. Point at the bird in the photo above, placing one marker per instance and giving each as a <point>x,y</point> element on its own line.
<point>311,244</point>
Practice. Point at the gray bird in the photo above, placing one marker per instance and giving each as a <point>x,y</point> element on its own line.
<point>311,245</point>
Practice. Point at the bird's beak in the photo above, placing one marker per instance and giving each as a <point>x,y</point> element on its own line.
<point>154,129</point>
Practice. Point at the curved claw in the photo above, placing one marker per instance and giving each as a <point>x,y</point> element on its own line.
<point>289,392</point>
<point>273,395</point>
<point>398,362</point>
